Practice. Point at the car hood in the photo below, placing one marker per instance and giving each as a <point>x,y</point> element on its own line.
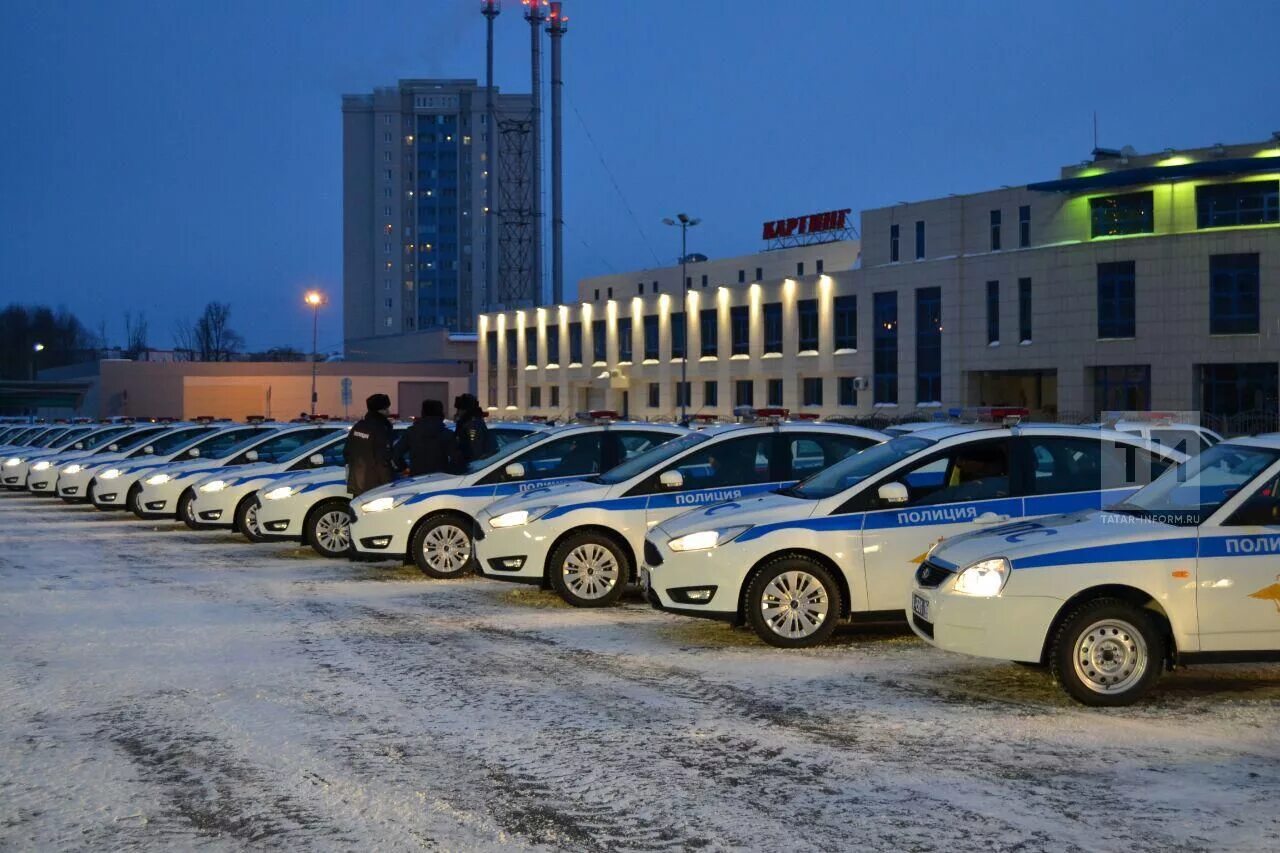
<point>764,509</point>
<point>422,485</point>
<point>558,493</point>
<point>313,476</point>
<point>1086,536</point>
<point>190,467</point>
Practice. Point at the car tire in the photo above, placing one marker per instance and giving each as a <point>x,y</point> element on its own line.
<point>186,512</point>
<point>246,519</point>
<point>441,547</point>
<point>326,531</point>
<point>793,602</point>
<point>1108,653</point>
<point>133,500</point>
<point>589,570</point>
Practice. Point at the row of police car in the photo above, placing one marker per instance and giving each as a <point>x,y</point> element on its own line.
<point>1106,555</point>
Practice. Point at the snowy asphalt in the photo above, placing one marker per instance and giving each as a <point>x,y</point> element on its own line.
<point>163,688</point>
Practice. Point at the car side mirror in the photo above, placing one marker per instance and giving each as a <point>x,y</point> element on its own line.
<point>252,456</point>
<point>79,445</point>
<point>892,493</point>
<point>113,447</point>
<point>148,450</point>
<point>672,479</point>
<point>514,471</point>
<point>194,453</point>
<point>316,459</point>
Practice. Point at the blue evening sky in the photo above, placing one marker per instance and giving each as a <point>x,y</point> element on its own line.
<point>158,154</point>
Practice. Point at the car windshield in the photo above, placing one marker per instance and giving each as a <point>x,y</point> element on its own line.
<point>176,439</point>
<point>47,438</point>
<point>311,447</point>
<point>68,437</point>
<point>238,447</point>
<point>510,450</point>
<point>854,469</point>
<point>132,442</point>
<point>100,438</point>
<point>653,456</point>
<point>1189,493</point>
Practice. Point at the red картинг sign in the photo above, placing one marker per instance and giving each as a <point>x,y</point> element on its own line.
<point>813,223</point>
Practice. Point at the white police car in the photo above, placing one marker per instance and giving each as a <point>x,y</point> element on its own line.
<point>229,498</point>
<point>432,518</point>
<point>117,485</point>
<point>44,474</point>
<point>583,539</point>
<point>168,491</point>
<point>315,506</point>
<point>1186,570</point>
<point>76,484</point>
<point>845,542</point>
<point>20,460</point>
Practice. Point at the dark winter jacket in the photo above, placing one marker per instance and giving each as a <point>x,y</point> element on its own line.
<point>474,440</point>
<point>369,454</point>
<point>428,447</point>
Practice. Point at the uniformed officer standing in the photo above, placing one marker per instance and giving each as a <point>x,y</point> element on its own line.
<point>474,440</point>
<point>369,448</point>
<point>429,447</point>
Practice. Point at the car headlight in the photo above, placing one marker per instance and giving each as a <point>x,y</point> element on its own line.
<point>519,517</point>
<point>109,474</point>
<point>158,479</point>
<point>985,578</point>
<point>378,504</point>
<point>214,486</point>
<point>704,539</point>
<point>42,465</point>
<point>12,462</point>
<point>71,469</point>
<point>279,493</point>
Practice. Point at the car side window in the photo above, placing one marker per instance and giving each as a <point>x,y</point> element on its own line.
<point>976,471</point>
<point>808,454</point>
<point>281,447</point>
<point>334,454</point>
<point>1065,464</point>
<point>1183,441</point>
<point>735,462</point>
<point>1129,466</point>
<point>1262,508</point>
<point>573,455</point>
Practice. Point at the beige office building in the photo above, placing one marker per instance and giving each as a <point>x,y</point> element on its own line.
<point>1132,281</point>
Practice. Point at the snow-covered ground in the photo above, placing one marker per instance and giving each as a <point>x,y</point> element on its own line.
<point>169,689</point>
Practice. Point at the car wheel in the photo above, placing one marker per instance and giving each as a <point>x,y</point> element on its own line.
<point>328,529</point>
<point>133,500</point>
<point>246,519</point>
<point>1107,653</point>
<point>187,510</point>
<point>793,603</point>
<point>441,547</point>
<point>589,570</point>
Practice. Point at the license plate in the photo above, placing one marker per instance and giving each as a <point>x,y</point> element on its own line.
<point>920,606</point>
<point>644,578</point>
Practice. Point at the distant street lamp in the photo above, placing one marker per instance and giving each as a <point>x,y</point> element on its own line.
<point>35,349</point>
<point>684,222</point>
<point>315,299</point>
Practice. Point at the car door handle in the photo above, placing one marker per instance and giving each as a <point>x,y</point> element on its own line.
<point>990,518</point>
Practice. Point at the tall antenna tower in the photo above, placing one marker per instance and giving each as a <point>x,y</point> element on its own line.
<point>490,9</point>
<point>535,12</point>
<point>557,26</point>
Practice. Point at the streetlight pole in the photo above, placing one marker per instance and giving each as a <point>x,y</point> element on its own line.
<point>685,222</point>
<point>315,299</point>
<point>35,349</point>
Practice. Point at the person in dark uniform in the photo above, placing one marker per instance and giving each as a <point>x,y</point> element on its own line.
<point>474,440</point>
<point>369,448</point>
<point>428,447</point>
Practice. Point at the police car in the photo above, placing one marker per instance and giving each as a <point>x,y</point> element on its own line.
<point>583,539</point>
<point>315,506</point>
<point>1184,571</point>
<point>1166,428</point>
<point>168,491</point>
<point>19,459</point>
<point>431,518</point>
<point>75,483</point>
<point>230,499</point>
<point>117,485</point>
<point>43,474</point>
<point>845,542</point>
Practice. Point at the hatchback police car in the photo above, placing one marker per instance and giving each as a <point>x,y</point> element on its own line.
<point>315,506</point>
<point>431,518</point>
<point>845,542</point>
<point>583,539</point>
<point>1183,571</point>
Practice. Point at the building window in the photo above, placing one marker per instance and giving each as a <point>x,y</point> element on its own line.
<point>555,396</point>
<point>1233,389</point>
<point>995,230</point>
<point>609,292</point>
<point>553,343</point>
<point>655,392</point>
<point>599,341</point>
<point>597,296</point>
<point>688,282</point>
<point>1116,302</point>
<point>640,288</point>
<point>704,281</point>
<point>710,394</point>
<point>807,313</point>
<point>679,335</point>
<point>893,244</point>
<point>739,330</point>
<point>845,310</point>
<point>773,392</point>
<point>773,327</point>
<point>531,345</point>
<point>535,397</point>
<point>575,343</point>
<point>624,339</point>
<point>742,276</point>
<point>511,347</point>
<point>759,273</point>
<point>1024,226</point>
<point>1233,294</point>
<point>817,266</point>
<point>812,391</point>
<point>1248,203</point>
<point>1122,388</point>
<point>491,348</point>
<point>1131,213</point>
<point>682,395</point>
<point>744,392</point>
<point>848,391</point>
<point>651,337</point>
<point>993,312</point>
<point>929,345</point>
<point>884,339</point>
<point>800,268</point>
<point>1024,310</point>
<point>919,239</point>
<point>708,324</point>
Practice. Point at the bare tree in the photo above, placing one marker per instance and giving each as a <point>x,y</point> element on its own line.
<point>135,334</point>
<point>214,337</point>
<point>184,341</point>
